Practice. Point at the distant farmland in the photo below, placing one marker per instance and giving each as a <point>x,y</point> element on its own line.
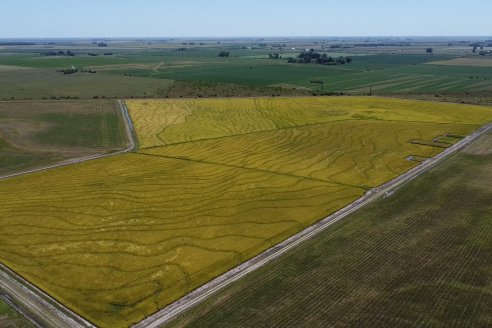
<point>150,74</point>
<point>214,183</point>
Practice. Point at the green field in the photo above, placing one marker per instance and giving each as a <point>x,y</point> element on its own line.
<point>216,182</point>
<point>386,73</point>
<point>9,318</point>
<point>41,83</point>
<point>38,133</point>
<point>141,70</point>
<point>420,258</point>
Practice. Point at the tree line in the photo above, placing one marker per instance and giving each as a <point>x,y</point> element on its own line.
<point>67,53</point>
<point>311,56</point>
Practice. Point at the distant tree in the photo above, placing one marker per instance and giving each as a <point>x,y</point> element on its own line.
<point>482,53</point>
<point>429,50</point>
<point>224,54</point>
<point>311,56</point>
<point>474,50</point>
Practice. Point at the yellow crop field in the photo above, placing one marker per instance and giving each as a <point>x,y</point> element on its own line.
<point>361,153</point>
<point>212,118</point>
<point>214,183</point>
<point>117,247</point>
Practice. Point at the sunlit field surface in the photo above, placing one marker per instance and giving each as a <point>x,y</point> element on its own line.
<point>214,183</point>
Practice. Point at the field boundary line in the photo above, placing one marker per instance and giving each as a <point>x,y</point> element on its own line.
<point>44,309</point>
<point>130,135</point>
<point>205,291</point>
<point>255,170</point>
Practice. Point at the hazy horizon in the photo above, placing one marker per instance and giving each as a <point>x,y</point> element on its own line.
<point>255,37</point>
<point>223,19</point>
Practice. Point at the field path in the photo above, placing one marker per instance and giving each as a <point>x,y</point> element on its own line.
<point>387,189</point>
<point>156,67</point>
<point>43,310</point>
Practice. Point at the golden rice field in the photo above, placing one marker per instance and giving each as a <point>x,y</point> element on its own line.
<point>213,118</point>
<point>214,183</point>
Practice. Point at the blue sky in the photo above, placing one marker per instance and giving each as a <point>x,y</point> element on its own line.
<point>212,18</point>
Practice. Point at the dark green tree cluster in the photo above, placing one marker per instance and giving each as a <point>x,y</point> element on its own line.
<point>311,56</point>
<point>224,54</point>
<point>57,53</point>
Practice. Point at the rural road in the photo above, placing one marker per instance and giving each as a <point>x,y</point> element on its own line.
<point>129,132</point>
<point>201,294</point>
<point>40,308</point>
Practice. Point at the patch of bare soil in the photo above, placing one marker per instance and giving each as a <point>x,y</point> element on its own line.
<point>483,146</point>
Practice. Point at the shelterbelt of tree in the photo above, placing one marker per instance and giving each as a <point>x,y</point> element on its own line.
<point>215,182</point>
